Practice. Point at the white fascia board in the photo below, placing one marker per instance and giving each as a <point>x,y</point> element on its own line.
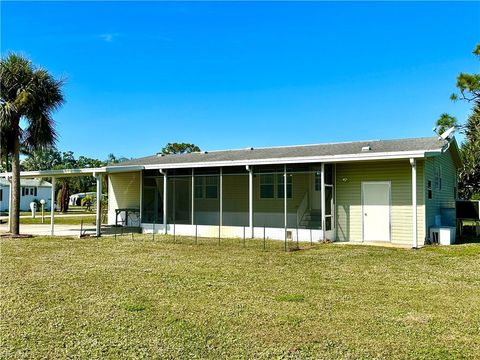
<point>295,160</point>
<point>126,168</point>
<point>56,173</point>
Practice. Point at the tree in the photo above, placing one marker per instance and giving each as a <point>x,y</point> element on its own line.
<point>42,159</point>
<point>468,84</point>
<point>112,159</point>
<point>179,148</point>
<point>31,94</point>
<point>469,90</point>
<point>469,176</point>
<point>445,122</point>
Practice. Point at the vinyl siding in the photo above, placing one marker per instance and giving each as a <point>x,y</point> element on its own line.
<point>123,192</point>
<point>300,185</point>
<point>349,202</point>
<point>443,198</point>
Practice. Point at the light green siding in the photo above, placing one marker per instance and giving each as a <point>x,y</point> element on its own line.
<point>123,192</point>
<point>441,197</point>
<point>349,202</point>
<point>300,186</point>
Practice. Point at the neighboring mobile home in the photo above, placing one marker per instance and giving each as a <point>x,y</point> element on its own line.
<point>30,190</point>
<point>354,191</point>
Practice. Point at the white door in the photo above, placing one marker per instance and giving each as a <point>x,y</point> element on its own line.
<point>376,211</point>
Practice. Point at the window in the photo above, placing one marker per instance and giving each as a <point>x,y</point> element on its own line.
<point>318,181</point>
<point>267,186</point>
<point>280,186</point>
<point>206,187</point>
<point>438,178</point>
<point>429,189</point>
<point>211,187</point>
<point>199,187</point>
<point>29,191</point>
<point>272,184</point>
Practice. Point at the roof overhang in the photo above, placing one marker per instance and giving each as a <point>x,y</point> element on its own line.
<point>75,172</point>
<point>272,161</point>
<point>302,160</point>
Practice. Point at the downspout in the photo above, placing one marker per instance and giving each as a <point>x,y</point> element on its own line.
<point>250,199</point>
<point>413,164</point>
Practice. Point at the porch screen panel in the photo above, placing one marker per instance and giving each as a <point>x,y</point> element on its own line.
<point>235,198</point>
<point>179,203</point>
<point>206,198</point>
<point>152,205</point>
<point>305,203</point>
<point>268,200</point>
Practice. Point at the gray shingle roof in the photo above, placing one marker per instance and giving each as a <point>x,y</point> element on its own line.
<point>27,182</point>
<point>331,149</point>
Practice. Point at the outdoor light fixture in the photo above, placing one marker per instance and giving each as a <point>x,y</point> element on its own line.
<point>43,214</point>
<point>344,179</point>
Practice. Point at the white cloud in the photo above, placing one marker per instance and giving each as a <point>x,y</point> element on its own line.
<point>108,37</point>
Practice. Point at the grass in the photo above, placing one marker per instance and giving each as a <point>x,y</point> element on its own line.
<point>66,220</point>
<point>144,298</point>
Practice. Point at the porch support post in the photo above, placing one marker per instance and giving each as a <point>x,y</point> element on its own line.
<point>413,164</point>
<point>193,196</point>
<point>164,201</point>
<point>141,198</point>
<point>285,202</point>
<point>250,199</point>
<point>322,196</point>
<point>221,197</point>
<point>98,215</point>
<point>52,208</point>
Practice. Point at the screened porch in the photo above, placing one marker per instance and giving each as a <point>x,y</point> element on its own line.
<point>241,201</point>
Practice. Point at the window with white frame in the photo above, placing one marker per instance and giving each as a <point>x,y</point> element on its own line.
<point>26,191</point>
<point>272,186</point>
<point>206,187</point>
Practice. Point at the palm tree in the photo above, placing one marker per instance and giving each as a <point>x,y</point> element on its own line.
<point>30,94</point>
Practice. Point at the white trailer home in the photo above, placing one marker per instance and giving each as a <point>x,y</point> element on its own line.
<point>30,190</point>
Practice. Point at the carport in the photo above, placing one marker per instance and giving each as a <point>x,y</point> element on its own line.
<point>97,173</point>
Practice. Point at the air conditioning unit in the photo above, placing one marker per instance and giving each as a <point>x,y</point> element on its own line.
<point>443,235</point>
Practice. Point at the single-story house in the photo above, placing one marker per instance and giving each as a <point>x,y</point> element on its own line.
<point>30,190</point>
<point>354,191</point>
<point>391,191</point>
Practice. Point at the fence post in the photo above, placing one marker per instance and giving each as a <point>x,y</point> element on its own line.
<point>153,231</point>
<point>243,236</point>
<point>297,236</point>
<point>264,245</point>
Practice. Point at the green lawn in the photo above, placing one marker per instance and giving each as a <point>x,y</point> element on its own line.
<point>70,220</point>
<point>144,298</point>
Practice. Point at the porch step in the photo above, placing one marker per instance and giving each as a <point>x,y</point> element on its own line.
<point>312,219</point>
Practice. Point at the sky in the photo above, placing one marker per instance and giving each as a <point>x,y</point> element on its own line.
<point>228,75</point>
